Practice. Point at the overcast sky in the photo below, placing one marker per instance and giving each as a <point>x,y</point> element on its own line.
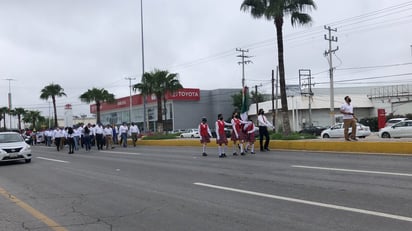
<point>81,44</point>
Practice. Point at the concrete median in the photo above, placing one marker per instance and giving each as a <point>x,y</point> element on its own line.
<point>338,145</point>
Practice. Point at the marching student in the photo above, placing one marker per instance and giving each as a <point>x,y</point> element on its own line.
<point>108,136</point>
<point>205,135</point>
<point>237,134</point>
<point>58,134</point>
<point>221,139</point>
<point>134,132</point>
<point>263,130</point>
<point>70,139</point>
<point>250,136</point>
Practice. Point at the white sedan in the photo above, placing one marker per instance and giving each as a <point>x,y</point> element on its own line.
<point>336,131</point>
<point>190,133</point>
<point>401,129</point>
<point>13,147</point>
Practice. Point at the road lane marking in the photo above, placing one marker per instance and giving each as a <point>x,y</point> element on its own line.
<point>34,212</point>
<point>353,170</point>
<point>314,203</point>
<point>125,153</point>
<point>55,160</point>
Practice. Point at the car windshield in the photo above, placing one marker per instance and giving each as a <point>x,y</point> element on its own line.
<point>10,138</point>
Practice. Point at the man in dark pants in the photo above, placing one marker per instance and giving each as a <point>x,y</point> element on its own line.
<point>263,123</point>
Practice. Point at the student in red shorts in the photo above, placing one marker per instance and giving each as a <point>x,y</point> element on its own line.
<point>205,135</point>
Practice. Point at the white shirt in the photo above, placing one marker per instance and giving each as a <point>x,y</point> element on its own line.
<point>134,129</point>
<point>347,108</point>
<point>123,129</point>
<point>264,122</point>
<point>108,131</point>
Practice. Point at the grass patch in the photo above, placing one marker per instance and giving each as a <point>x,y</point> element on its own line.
<point>293,136</point>
<point>160,137</point>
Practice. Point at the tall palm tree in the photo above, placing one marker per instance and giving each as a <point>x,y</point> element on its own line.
<point>3,112</point>
<point>276,10</point>
<point>19,112</point>
<point>158,82</point>
<point>32,117</point>
<point>98,96</point>
<point>52,91</point>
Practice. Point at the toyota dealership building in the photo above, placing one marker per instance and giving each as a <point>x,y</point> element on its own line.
<point>184,108</point>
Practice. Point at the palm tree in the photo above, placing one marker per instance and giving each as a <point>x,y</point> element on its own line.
<point>98,96</point>
<point>276,10</point>
<point>158,82</point>
<point>51,91</point>
<point>3,112</point>
<point>32,117</point>
<point>19,112</point>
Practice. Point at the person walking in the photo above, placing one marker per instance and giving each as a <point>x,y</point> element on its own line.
<point>99,136</point>
<point>108,136</point>
<point>134,132</point>
<point>263,130</point>
<point>349,119</point>
<point>123,134</point>
<point>238,136</point>
<point>221,138</point>
<point>205,135</point>
<point>250,136</point>
<point>70,139</point>
<point>87,136</point>
<point>58,134</point>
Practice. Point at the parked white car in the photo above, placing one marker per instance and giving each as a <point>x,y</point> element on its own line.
<point>190,133</point>
<point>336,131</point>
<point>401,129</point>
<point>394,121</point>
<point>13,147</point>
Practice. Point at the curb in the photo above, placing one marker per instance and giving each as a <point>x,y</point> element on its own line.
<point>374,147</point>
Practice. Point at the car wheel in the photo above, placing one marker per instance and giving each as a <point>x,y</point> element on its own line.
<point>193,136</point>
<point>386,135</point>
<point>181,136</point>
<point>326,136</point>
<point>27,160</point>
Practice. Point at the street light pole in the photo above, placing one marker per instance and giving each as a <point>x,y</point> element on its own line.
<point>9,97</point>
<point>130,98</point>
<point>145,124</point>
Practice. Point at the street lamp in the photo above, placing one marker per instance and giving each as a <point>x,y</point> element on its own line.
<point>145,124</point>
<point>130,98</point>
<point>9,97</point>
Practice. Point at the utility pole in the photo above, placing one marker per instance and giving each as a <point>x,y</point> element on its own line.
<point>275,97</point>
<point>243,62</point>
<point>130,98</point>
<point>256,97</point>
<point>329,52</point>
<point>305,83</point>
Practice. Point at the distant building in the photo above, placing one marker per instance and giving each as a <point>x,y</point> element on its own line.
<point>184,109</point>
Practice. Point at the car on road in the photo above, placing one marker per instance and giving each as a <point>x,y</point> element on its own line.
<point>398,130</point>
<point>13,147</point>
<point>190,133</point>
<point>313,130</point>
<point>336,131</point>
<point>394,121</point>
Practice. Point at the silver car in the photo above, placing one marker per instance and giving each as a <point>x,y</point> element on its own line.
<point>399,130</point>
<point>13,147</point>
<point>336,131</point>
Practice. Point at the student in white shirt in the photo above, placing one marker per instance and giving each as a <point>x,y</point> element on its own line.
<point>263,130</point>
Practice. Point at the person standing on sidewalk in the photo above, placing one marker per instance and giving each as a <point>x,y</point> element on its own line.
<point>349,120</point>
<point>263,130</point>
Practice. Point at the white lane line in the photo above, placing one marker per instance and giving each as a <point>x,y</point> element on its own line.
<point>353,170</point>
<point>331,206</point>
<point>125,153</point>
<point>60,161</point>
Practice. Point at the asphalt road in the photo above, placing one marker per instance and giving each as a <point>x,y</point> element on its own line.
<point>174,188</point>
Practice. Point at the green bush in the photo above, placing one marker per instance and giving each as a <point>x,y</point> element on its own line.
<point>293,136</point>
<point>157,136</point>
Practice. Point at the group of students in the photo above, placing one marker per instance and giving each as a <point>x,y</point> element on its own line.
<point>86,136</point>
<point>243,134</point>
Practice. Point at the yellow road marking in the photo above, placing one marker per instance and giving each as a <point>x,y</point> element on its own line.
<point>34,212</point>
